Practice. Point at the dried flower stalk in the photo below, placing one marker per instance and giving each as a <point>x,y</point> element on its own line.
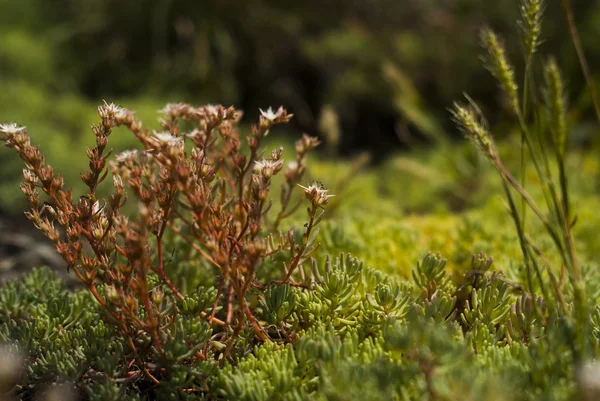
<point>196,183</point>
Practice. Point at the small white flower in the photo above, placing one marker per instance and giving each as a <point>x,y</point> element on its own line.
<point>268,167</point>
<point>271,115</point>
<point>120,112</point>
<point>126,155</point>
<point>11,129</point>
<point>268,163</point>
<point>316,193</point>
<point>165,138</point>
<point>111,110</point>
<point>212,110</point>
<point>173,109</point>
<point>293,165</point>
<point>218,111</point>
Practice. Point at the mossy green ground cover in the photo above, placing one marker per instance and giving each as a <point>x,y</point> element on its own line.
<point>371,330</point>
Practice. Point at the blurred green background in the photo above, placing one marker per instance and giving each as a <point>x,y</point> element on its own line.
<point>377,74</point>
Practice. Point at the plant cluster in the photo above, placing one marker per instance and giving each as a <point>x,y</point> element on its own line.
<point>192,180</point>
<point>544,141</point>
<point>194,293</point>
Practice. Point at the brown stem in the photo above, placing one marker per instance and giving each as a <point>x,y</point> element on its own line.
<point>119,319</point>
<point>230,305</point>
<point>153,324</point>
<point>259,331</point>
<point>298,257</point>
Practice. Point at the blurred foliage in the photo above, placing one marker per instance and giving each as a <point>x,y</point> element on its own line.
<point>352,56</point>
<point>366,74</point>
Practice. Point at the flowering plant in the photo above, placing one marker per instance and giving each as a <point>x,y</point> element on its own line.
<point>193,181</point>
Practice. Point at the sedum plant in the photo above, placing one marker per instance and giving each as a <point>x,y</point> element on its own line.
<point>193,180</point>
<point>352,333</point>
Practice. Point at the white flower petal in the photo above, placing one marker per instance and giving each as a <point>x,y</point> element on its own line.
<point>11,128</point>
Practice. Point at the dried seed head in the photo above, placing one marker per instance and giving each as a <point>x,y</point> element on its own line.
<point>277,153</point>
<point>118,184</point>
<point>30,176</point>
<point>306,144</point>
<point>498,65</point>
<point>556,106</point>
<point>471,123</point>
<point>531,25</point>
<point>48,210</point>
